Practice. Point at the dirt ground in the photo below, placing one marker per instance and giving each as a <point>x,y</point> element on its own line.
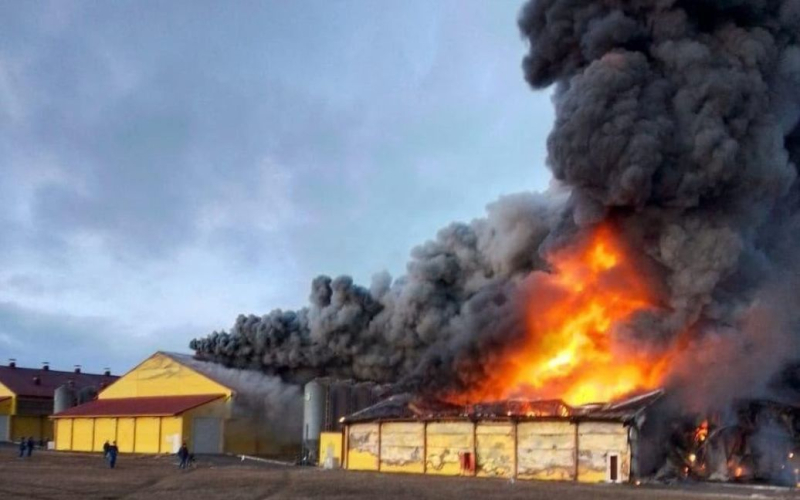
<point>51,475</point>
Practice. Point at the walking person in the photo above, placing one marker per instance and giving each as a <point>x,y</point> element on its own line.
<point>29,445</point>
<point>23,443</point>
<point>106,447</point>
<point>183,455</point>
<point>112,454</point>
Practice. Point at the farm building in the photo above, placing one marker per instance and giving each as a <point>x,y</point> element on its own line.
<point>173,398</point>
<point>27,397</point>
<point>545,440</point>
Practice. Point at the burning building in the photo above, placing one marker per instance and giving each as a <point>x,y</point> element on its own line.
<point>664,255</point>
<point>545,439</point>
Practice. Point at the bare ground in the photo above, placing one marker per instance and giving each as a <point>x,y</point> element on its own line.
<point>50,475</point>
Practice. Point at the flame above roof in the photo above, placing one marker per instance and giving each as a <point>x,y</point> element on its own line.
<point>410,407</point>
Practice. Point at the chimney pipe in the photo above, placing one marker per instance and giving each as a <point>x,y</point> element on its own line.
<point>12,363</point>
<point>45,365</point>
<point>107,372</point>
<point>77,368</point>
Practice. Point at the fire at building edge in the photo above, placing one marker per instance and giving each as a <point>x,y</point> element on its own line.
<point>663,255</point>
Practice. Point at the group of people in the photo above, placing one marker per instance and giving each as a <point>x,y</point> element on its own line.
<point>110,452</point>
<point>26,446</point>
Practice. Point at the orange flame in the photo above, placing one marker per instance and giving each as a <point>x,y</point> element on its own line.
<point>568,351</point>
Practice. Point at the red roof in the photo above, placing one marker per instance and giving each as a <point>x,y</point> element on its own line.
<point>158,406</point>
<point>23,381</point>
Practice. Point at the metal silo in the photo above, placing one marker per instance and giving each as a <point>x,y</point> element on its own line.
<point>314,405</point>
<point>86,394</point>
<point>64,398</point>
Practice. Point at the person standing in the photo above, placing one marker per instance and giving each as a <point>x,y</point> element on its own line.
<point>23,443</point>
<point>106,446</point>
<point>112,454</point>
<point>183,455</point>
<point>29,445</point>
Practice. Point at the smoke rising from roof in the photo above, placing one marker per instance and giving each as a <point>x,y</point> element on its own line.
<point>677,122</point>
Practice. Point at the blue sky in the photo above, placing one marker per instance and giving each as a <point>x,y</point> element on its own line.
<point>166,166</point>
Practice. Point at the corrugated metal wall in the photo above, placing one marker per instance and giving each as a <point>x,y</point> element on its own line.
<point>546,450</point>
<point>133,435</point>
<point>446,440</point>
<point>363,446</point>
<point>403,447</point>
<point>597,443</point>
<point>539,450</point>
<point>494,449</point>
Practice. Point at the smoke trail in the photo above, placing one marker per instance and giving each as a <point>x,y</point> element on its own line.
<point>677,120</point>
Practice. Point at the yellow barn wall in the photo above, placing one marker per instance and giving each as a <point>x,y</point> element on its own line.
<point>330,448</point>
<point>546,451</point>
<point>82,434</point>
<point>160,375</point>
<point>596,442</point>
<point>37,427</point>
<point>104,429</point>
<point>402,447</point>
<point>171,434</point>
<point>363,446</point>
<point>64,434</point>
<point>494,449</point>
<point>126,430</point>
<point>147,437</point>
<point>7,407</point>
<point>446,440</point>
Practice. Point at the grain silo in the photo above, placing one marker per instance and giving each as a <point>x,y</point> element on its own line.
<point>327,402</point>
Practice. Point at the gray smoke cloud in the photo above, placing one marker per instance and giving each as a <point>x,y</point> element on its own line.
<point>677,121</point>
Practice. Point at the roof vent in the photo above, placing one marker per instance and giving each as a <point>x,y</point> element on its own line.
<point>107,372</point>
<point>77,368</point>
<point>45,365</point>
<point>37,381</point>
<point>12,363</point>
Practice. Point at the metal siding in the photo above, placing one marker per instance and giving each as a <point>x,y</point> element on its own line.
<point>402,447</point>
<point>161,375</point>
<point>596,442</point>
<point>104,429</point>
<point>171,434</point>
<point>126,430</point>
<point>546,450</point>
<point>445,441</point>
<point>330,448</point>
<point>147,435</point>
<point>363,446</point>
<point>495,448</point>
<point>207,435</point>
<point>64,434</point>
<point>82,434</point>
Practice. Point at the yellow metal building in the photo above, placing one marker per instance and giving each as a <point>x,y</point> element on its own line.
<point>590,444</point>
<point>169,399</point>
<point>27,396</point>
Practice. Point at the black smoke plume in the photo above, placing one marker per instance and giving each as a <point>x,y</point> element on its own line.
<point>677,121</point>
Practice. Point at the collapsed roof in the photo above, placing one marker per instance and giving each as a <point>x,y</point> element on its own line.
<point>405,407</point>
